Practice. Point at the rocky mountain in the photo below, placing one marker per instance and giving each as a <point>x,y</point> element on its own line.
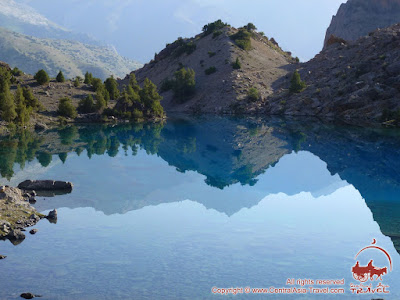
<point>219,87</point>
<point>357,18</point>
<point>74,58</point>
<point>23,19</point>
<point>31,42</point>
<point>355,81</point>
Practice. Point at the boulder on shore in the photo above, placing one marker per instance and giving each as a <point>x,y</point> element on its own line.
<point>45,185</point>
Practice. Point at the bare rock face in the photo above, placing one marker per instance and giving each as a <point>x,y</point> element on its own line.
<point>358,18</point>
<point>357,81</point>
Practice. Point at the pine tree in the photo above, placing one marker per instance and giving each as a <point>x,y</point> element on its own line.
<point>77,82</point>
<point>133,82</point>
<point>100,101</point>
<point>296,84</point>
<point>60,77</point>
<point>86,105</point>
<point>112,87</point>
<point>23,112</point>
<point>150,98</point>
<point>7,105</point>
<point>30,99</point>
<point>88,78</point>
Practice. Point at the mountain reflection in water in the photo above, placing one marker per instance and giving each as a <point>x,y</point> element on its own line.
<point>242,161</point>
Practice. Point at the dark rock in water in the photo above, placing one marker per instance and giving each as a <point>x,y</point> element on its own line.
<point>16,235</point>
<point>45,185</point>
<point>29,296</point>
<point>2,257</point>
<point>52,216</point>
<point>33,231</point>
<point>32,200</point>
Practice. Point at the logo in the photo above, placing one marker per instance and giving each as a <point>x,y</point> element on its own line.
<point>370,272</point>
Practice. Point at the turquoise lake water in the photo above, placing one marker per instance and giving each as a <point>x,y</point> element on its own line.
<point>171,211</point>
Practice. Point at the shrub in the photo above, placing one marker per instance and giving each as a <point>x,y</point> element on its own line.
<point>184,47</point>
<point>86,105</point>
<point>253,94</point>
<point>216,34</point>
<point>210,70</point>
<point>184,84</point>
<point>60,77</point>
<point>250,27</point>
<point>77,82</point>
<point>242,39</point>
<point>213,27</point>
<point>42,77</point>
<point>237,65</point>
<point>296,84</point>
<point>16,72</point>
<point>211,54</point>
<point>166,85</point>
<point>66,108</point>
<point>137,114</point>
<point>96,84</point>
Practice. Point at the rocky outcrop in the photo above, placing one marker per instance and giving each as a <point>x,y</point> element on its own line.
<point>357,18</point>
<point>357,81</point>
<point>15,214</point>
<point>45,185</point>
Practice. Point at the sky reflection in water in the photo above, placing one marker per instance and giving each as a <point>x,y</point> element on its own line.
<point>244,209</point>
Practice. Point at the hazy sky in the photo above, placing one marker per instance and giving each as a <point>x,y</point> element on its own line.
<point>139,28</point>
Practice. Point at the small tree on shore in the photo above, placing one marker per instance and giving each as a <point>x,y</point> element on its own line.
<point>296,84</point>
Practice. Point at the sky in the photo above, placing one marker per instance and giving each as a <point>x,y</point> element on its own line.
<point>140,28</point>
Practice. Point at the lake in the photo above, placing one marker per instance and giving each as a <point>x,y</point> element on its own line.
<point>184,209</point>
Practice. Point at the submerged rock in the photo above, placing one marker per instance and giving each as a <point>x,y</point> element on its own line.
<point>45,185</point>
<point>29,295</point>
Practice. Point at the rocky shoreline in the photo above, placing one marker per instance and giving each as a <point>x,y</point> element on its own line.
<point>16,211</point>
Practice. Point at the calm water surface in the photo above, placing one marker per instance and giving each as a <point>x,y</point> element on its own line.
<point>170,211</point>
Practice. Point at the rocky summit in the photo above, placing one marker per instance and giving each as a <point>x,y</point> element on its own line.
<point>228,64</point>
<point>357,18</point>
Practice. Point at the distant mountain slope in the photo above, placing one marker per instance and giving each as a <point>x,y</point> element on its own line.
<point>23,19</point>
<point>224,89</point>
<point>74,58</point>
<point>357,18</point>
